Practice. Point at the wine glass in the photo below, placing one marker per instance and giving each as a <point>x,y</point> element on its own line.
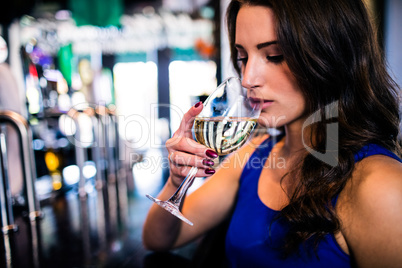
<point>224,125</point>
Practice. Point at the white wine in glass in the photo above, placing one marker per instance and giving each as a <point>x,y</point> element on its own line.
<point>225,123</point>
<point>223,135</point>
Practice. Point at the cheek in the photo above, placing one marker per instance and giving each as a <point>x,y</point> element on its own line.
<point>289,106</point>
<point>288,79</point>
<point>280,78</point>
<point>295,105</point>
<point>290,90</point>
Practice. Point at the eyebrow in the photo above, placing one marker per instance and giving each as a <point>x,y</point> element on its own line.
<point>259,46</point>
<point>262,45</point>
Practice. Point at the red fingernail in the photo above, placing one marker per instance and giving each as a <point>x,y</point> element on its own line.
<point>211,154</point>
<point>208,162</point>
<point>209,171</point>
<point>197,104</point>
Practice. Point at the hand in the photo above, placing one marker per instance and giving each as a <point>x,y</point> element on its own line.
<point>185,152</point>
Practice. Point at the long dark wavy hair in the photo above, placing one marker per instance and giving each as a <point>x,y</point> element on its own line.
<point>332,50</point>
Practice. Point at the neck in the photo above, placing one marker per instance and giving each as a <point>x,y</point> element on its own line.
<point>292,149</point>
<point>295,140</point>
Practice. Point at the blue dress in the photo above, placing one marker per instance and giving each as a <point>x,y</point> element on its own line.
<point>252,238</point>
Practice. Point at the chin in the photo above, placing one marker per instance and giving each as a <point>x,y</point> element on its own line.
<point>271,121</point>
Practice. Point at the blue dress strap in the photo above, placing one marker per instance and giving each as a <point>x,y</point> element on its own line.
<point>374,149</point>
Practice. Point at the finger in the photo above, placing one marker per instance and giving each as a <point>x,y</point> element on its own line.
<point>195,148</point>
<point>182,171</point>
<point>188,120</point>
<point>185,159</point>
<point>187,145</point>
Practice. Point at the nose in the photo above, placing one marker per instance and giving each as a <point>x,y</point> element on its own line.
<point>251,78</point>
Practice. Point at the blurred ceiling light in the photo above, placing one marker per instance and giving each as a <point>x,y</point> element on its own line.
<point>86,137</point>
<point>3,50</point>
<point>43,82</point>
<point>89,169</point>
<point>62,87</point>
<point>52,161</point>
<point>67,125</point>
<point>33,95</point>
<point>52,75</point>
<point>63,15</point>
<point>64,102</point>
<point>38,144</point>
<point>183,5</point>
<point>56,181</point>
<point>78,100</point>
<point>71,174</point>
<point>148,11</point>
<point>62,142</point>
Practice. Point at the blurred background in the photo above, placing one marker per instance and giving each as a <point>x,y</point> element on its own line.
<point>90,90</point>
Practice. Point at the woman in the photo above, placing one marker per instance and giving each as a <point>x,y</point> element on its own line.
<point>311,203</point>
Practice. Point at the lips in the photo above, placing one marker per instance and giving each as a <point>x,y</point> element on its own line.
<point>256,102</point>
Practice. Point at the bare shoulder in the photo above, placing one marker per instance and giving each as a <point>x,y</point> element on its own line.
<point>377,176</point>
<point>370,210</point>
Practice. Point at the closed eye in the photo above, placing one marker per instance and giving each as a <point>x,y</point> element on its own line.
<point>275,59</point>
<point>242,59</point>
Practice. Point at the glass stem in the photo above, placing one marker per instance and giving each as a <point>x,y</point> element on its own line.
<point>176,198</point>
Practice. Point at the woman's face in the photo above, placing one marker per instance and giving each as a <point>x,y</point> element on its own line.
<point>265,73</point>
